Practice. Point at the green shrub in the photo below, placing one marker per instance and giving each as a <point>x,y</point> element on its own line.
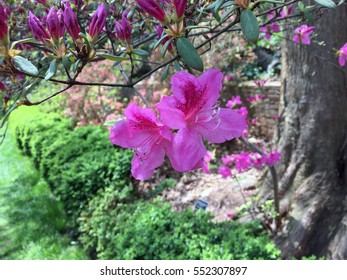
<point>119,229</point>
<point>76,163</point>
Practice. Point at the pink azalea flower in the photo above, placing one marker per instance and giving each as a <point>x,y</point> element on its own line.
<point>245,133</point>
<point>272,27</point>
<point>256,98</point>
<point>208,156</point>
<point>228,160</point>
<point>229,215</point>
<point>224,171</point>
<point>302,34</point>
<point>257,160</point>
<point>273,158</point>
<point>193,111</point>
<point>229,78</point>
<point>205,168</point>
<point>342,54</point>
<point>276,117</point>
<point>286,11</point>
<point>242,111</point>
<point>235,100</point>
<point>260,83</point>
<point>242,162</point>
<point>143,132</point>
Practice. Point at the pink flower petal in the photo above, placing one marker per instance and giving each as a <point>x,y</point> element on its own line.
<point>186,151</point>
<point>211,83</point>
<point>169,114</point>
<point>228,125</point>
<point>184,86</point>
<point>143,169</point>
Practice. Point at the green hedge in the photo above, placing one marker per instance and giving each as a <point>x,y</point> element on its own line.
<point>76,163</point>
<point>150,230</point>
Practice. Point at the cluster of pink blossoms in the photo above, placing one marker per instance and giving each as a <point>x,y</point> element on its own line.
<point>242,162</point>
<point>187,117</point>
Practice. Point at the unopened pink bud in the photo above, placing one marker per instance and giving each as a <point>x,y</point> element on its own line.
<point>123,29</point>
<point>180,6</point>
<point>53,24</point>
<point>98,21</point>
<point>37,28</point>
<point>71,23</point>
<point>152,8</point>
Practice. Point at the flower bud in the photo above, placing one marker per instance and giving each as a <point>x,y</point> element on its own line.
<point>71,23</point>
<point>53,24</point>
<point>123,29</point>
<point>180,7</point>
<point>37,28</point>
<point>98,21</point>
<point>152,8</point>
<point>160,31</point>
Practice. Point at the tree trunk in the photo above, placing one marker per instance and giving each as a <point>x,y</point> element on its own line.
<point>312,137</point>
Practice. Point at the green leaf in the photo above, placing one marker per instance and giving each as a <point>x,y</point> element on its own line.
<point>75,66</point>
<point>249,26</point>
<point>160,40</point>
<point>326,3</point>
<point>301,6</point>
<point>25,65</point>
<point>177,66</point>
<point>23,41</point>
<point>141,52</point>
<point>165,72</point>
<point>189,54</point>
<point>66,62</point>
<point>309,16</point>
<point>51,70</point>
<point>1,59</point>
<point>111,57</point>
<point>165,47</point>
<point>110,123</point>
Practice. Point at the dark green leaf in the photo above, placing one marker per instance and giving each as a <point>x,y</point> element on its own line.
<point>51,70</point>
<point>309,16</point>
<point>141,52</point>
<point>326,3</point>
<point>111,57</point>
<point>165,47</point>
<point>189,54</point>
<point>249,26</point>
<point>66,62</point>
<point>177,66</point>
<point>165,72</point>
<point>75,66</point>
<point>25,65</point>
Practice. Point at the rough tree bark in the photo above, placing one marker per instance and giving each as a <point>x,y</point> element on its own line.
<point>312,136</point>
